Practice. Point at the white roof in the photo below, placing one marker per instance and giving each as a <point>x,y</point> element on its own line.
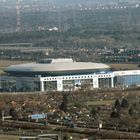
<point>61,66</point>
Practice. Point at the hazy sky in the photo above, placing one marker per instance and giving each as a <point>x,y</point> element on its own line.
<point>66,2</point>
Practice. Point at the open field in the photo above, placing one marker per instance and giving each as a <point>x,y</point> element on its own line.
<point>5,63</point>
<point>96,103</point>
<point>9,137</point>
<point>124,66</point>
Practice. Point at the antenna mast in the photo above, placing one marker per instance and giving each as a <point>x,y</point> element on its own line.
<point>18,24</point>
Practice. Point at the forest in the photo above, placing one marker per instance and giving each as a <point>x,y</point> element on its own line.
<point>114,28</point>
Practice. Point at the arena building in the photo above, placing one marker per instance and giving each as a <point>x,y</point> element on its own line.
<point>67,75</point>
<point>55,67</point>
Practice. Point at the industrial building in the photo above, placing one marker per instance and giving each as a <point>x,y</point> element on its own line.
<point>66,75</point>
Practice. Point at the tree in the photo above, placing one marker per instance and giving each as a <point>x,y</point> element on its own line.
<point>124,102</point>
<point>117,104</point>
<point>65,137</point>
<point>13,113</point>
<point>92,138</point>
<point>130,111</point>
<point>93,112</point>
<point>1,113</point>
<point>115,113</point>
<point>64,103</point>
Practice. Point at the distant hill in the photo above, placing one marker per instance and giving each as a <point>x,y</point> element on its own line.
<point>87,27</point>
<point>67,2</point>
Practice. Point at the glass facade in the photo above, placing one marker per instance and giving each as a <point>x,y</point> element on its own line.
<point>71,83</point>
<point>104,82</point>
<point>50,85</point>
<point>68,85</point>
<point>127,81</point>
<point>77,84</point>
<point>87,83</point>
<point>8,85</point>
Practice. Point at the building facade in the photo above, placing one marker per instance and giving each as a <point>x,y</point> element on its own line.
<point>115,79</point>
<point>65,75</point>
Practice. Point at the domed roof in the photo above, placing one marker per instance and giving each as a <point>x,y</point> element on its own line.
<point>56,65</point>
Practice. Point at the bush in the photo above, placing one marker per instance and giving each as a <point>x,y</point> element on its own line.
<point>130,111</point>
<point>124,102</point>
<point>117,104</point>
<point>13,113</point>
<point>93,112</point>
<point>64,104</point>
<point>115,113</point>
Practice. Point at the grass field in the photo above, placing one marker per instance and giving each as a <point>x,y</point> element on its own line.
<point>9,137</point>
<point>97,103</point>
<point>124,66</point>
<point>5,63</point>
